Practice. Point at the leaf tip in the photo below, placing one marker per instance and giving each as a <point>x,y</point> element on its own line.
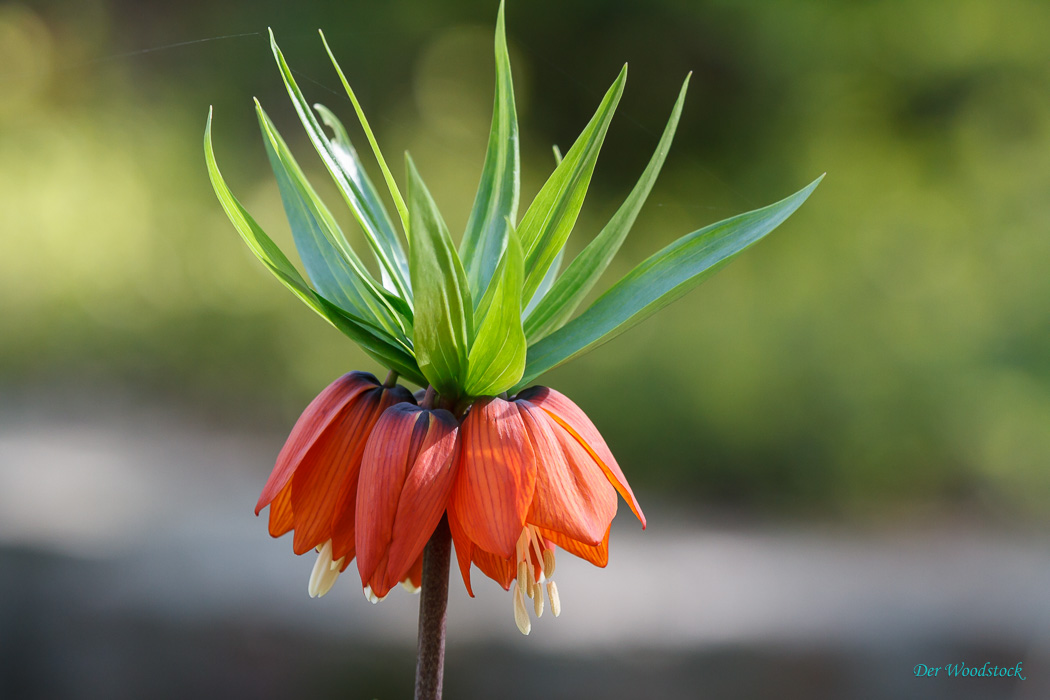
<point>207,131</point>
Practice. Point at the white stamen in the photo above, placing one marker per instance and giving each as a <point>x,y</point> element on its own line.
<point>521,615</point>
<point>523,577</point>
<point>552,593</point>
<point>534,540</point>
<point>548,563</point>
<point>537,602</point>
<point>325,571</point>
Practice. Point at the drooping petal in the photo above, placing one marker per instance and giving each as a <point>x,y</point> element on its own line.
<point>425,495</point>
<point>311,425</point>
<point>281,512</point>
<point>406,476</point>
<point>497,476</point>
<point>573,495</point>
<point>344,534</point>
<point>329,469</point>
<point>500,570</point>
<point>597,555</point>
<point>377,582</point>
<point>464,548</point>
<point>572,418</point>
<point>384,466</point>
<point>415,574</point>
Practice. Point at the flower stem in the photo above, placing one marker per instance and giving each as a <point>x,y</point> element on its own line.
<point>430,654</point>
<point>429,398</point>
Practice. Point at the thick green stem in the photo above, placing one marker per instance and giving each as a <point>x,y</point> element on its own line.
<point>430,654</point>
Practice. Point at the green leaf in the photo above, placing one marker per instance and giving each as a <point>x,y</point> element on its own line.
<point>350,162</point>
<point>373,341</point>
<point>496,201</point>
<point>497,357</point>
<point>656,282</point>
<point>561,302</point>
<point>545,286</point>
<point>395,193</point>
<point>444,314</point>
<point>551,216</point>
<point>333,267</point>
<point>383,240</point>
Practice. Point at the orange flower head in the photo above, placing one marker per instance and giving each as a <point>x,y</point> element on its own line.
<point>313,487</point>
<point>534,473</point>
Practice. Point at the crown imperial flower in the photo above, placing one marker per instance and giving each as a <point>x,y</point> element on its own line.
<point>370,471</point>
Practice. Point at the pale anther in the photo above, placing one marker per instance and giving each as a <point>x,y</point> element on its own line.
<point>552,593</point>
<point>548,563</point>
<point>325,571</point>
<point>521,615</point>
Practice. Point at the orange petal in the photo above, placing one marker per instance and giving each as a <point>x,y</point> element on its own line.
<point>384,466</point>
<point>378,581</point>
<point>574,420</point>
<point>415,574</point>
<point>329,470</point>
<point>497,476</point>
<point>344,534</point>
<point>464,548</point>
<point>573,496</point>
<point>425,495</point>
<point>311,424</point>
<point>597,555</point>
<point>500,570</point>
<point>281,512</point>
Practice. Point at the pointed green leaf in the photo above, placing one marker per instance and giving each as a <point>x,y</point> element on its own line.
<point>372,340</point>
<point>497,357</point>
<point>658,281</point>
<point>333,267</point>
<point>581,276</point>
<point>545,286</point>
<point>444,313</point>
<point>551,216</point>
<point>496,201</point>
<point>395,193</point>
<point>350,162</point>
<point>383,240</point>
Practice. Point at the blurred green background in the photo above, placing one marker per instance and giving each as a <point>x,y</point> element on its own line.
<point>887,349</point>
